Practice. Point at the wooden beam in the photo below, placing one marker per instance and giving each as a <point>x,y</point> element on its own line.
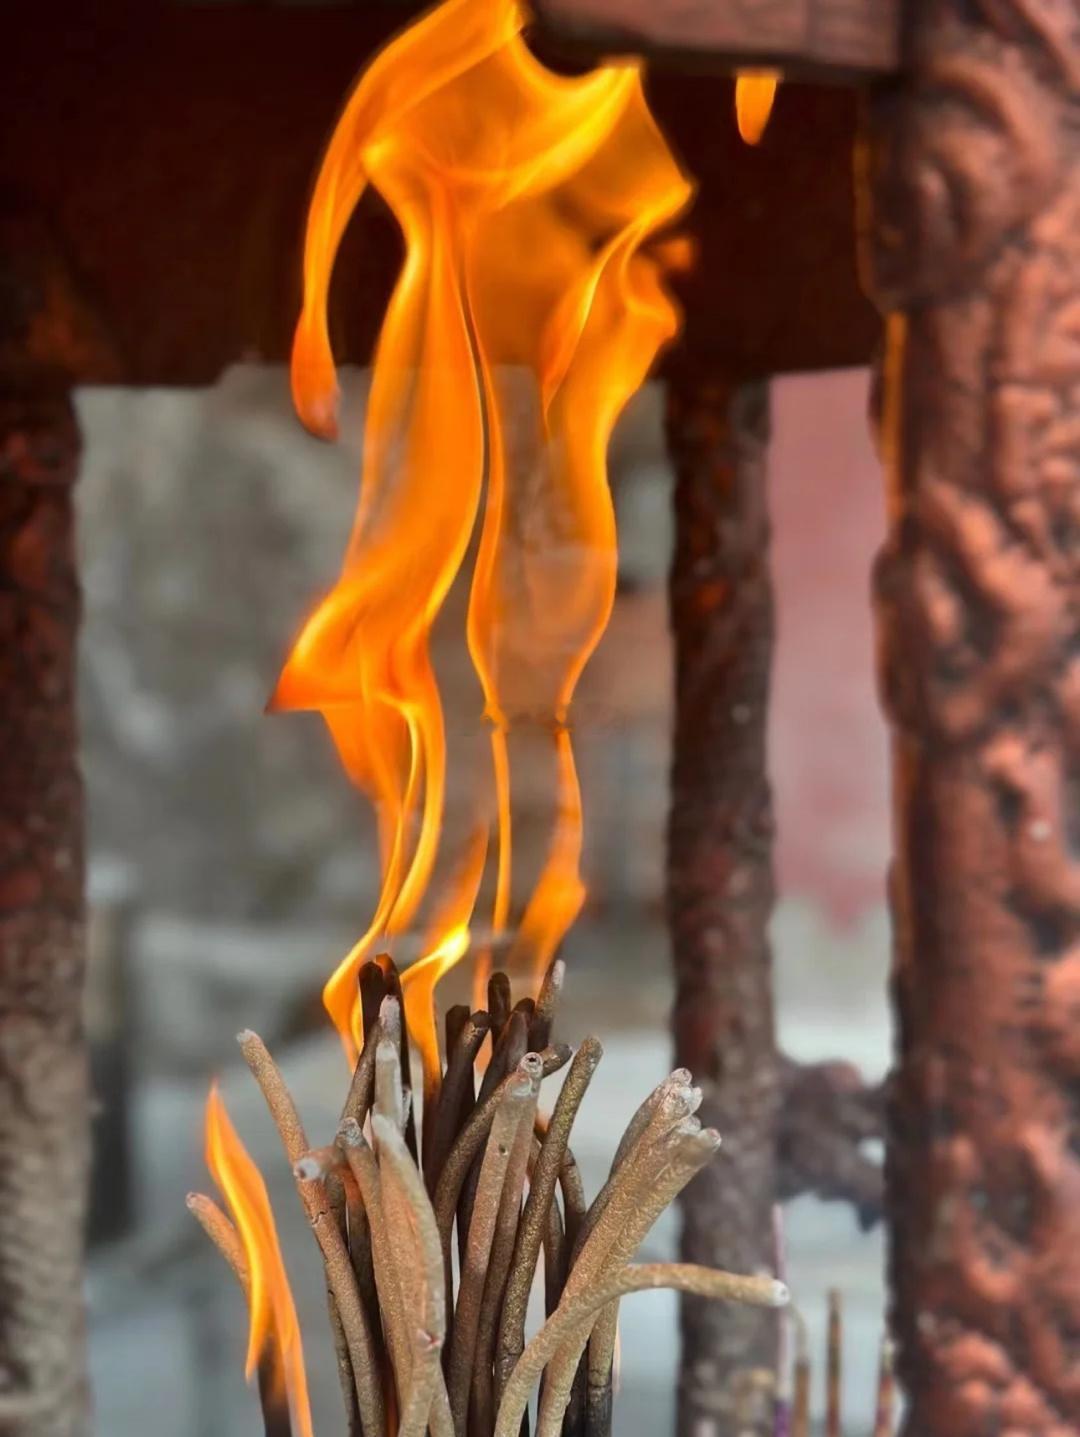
<point>172,148</point>
<point>824,39</point>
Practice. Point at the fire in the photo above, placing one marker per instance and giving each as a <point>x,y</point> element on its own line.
<point>527,312</point>
<point>755,91</point>
<point>447,942</point>
<point>274,1348</point>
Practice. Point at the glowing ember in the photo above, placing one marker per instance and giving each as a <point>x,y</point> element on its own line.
<point>525,199</point>
<point>755,91</point>
<point>275,1350</point>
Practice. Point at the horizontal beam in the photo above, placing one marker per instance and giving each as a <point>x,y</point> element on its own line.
<point>170,152</point>
<point>822,39</point>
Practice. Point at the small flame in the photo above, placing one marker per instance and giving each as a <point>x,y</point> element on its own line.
<point>525,199</point>
<point>755,91</point>
<point>273,1332</point>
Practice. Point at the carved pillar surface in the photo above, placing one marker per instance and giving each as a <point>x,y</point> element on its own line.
<point>720,880</point>
<point>43,1097</point>
<point>974,251</point>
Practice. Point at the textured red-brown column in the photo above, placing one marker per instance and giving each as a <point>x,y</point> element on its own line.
<point>974,250</point>
<point>720,882</point>
<point>43,1093</point>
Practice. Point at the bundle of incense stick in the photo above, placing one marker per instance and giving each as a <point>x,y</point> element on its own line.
<point>427,1345</point>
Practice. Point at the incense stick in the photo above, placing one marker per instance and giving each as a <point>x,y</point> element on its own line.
<point>644,1187</point>
<point>221,1232</point>
<point>577,1312</point>
<point>362,1164</point>
<point>339,1273</point>
<point>518,1099</point>
<point>457,1080</point>
<point>430,1315</point>
<point>834,1366</point>
<point>499,1261</point>
<point>534,1221</point>
<point>277,1421</point>
<point>800,1401</point>
<point>499,1000</point>
<point>361,1092</point>
<point>547,1001</point>
<point>471,1139</point>
<point>884,1417</point>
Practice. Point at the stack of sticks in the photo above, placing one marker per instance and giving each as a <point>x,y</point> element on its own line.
<point>429,1344</point>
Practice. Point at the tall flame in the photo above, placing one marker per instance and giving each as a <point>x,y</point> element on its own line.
<point>525,199</point>
<point>274,1344</point>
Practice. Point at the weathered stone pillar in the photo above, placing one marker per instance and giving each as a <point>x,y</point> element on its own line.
<point>974,253</point>
<point>720,880</point>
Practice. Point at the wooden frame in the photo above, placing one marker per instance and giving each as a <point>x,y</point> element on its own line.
<point>820,39</point>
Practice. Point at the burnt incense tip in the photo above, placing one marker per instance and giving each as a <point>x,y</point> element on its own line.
<point>531,1066</point>
<point>351,1133</point>
<point>780,1294</point>
<point>246,1035</point>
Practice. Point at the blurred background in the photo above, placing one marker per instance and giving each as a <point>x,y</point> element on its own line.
<point>232,865</point>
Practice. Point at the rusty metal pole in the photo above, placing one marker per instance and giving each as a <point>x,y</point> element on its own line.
<point>973,169</point>
<point>44,1121</point>
<point>44,1130</point>
<point>720,879</point>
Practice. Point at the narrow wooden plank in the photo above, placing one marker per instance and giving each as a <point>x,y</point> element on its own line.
<point>171,151</point>
<point>824,39</point>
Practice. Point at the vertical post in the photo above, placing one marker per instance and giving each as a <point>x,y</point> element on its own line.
<point>720,879</point>
<point>44,1140</point>
<point>973,163</point>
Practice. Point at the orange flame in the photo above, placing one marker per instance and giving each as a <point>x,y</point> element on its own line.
<point>755,91</point>
<point>447,943</point>
<point>525,316</point>
<point>274,1332</point>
